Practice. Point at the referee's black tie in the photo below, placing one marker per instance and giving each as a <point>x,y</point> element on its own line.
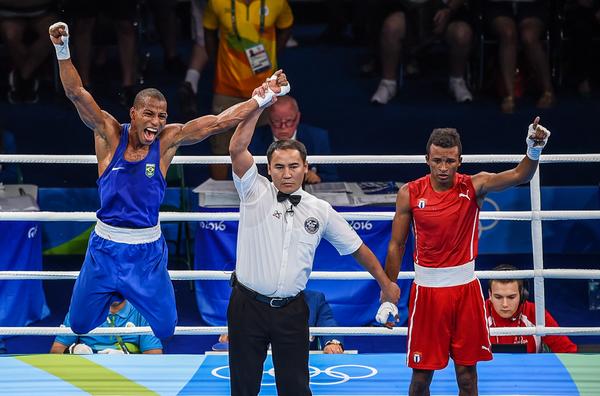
<point>294,199</point>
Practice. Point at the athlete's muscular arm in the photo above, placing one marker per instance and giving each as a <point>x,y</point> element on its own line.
<point>400,229</point>
<point>196,130</point>
<point>485,182</point>
<point>106,128</point>
<point>199,129</point>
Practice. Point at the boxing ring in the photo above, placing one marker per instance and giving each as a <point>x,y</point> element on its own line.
<point>359,374</point>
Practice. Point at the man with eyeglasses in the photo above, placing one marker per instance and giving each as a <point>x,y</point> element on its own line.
<point>284,123</point>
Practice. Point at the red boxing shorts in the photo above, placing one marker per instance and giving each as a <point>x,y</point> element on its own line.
<point>447,322</point>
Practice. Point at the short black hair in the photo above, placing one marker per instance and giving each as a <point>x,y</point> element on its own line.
<point>445,138</point>
<point>287,144</point>
<point>148,93</point>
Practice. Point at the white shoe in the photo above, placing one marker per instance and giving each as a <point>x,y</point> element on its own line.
<point>458,89</point>
<point>386,90</point>
<point>80,349</point>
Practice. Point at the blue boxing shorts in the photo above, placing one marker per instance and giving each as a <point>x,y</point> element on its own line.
<point>124,263</point>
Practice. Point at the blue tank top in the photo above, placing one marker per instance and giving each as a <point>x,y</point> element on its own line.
<point>131,192</point>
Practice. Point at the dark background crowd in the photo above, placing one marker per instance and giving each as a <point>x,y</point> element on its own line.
<point>334,58</point>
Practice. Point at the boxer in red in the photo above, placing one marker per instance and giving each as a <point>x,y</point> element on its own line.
<point>447,315</point>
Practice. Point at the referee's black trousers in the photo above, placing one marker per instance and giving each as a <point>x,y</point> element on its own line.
<point>252,325</point>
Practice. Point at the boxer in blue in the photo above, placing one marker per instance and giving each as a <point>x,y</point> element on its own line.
<point>127,254</point>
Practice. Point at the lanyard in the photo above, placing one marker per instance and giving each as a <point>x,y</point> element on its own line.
<point>234,22</point>
<point>111,320</point>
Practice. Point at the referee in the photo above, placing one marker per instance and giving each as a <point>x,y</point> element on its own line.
<point>279,230</point>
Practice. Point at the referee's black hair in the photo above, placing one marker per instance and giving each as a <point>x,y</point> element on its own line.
<point>287,144</point>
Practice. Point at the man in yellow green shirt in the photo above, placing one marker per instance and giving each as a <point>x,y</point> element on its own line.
<point>245,36</point>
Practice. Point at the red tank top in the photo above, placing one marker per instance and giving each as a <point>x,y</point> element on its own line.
<point>445,224</point>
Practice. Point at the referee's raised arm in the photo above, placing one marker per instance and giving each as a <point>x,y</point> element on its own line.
<point>241,159</point>
<point>265,95</point>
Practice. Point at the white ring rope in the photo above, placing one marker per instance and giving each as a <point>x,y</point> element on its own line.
<point>318,275</point>
<point>313,159</point>
<point>315,331</point>
<point>523,215</point>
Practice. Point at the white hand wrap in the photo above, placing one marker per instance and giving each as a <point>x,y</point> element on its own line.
<point>80,349</point>
<point>110,351</point>
<point>62,50</point>
<point>264,102</point>
<point>534,148</point>
<point>285,89</point>
<point>385,310</point>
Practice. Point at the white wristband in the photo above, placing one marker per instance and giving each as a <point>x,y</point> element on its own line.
<point>535,147</point>
<point>534,153</point>
<point>264,102</point>
<point>62,50</point>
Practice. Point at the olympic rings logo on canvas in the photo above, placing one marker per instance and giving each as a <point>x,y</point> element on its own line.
<point>333,375</point>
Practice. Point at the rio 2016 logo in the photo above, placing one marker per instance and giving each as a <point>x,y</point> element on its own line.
<point>361,225</point>
<point>333,375</point>
<point>212,225</point>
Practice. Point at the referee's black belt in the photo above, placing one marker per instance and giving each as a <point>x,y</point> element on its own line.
<point>275,302</point>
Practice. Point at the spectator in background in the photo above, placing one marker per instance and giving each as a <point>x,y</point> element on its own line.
<point>582,23</point>
<point>189,88</point>
<point>507,306</point>
<point>527,20</point>
<point>2,346</point>
<point>9,173</point>
<point>248,38</point>
<point>284,123</point>
<point>447,20</point>
<point>121,13</point>
<point>345,19</point>
<point>23,27</point>
<point>319,315</point>
<point>121,314</point>
<point>165,20</point>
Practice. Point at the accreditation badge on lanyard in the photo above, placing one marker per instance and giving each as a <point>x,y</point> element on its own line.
<point>258,58</point>
<point>257,55</point>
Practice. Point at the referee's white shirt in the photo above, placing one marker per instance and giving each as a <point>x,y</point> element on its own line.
<point>275,247</point>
